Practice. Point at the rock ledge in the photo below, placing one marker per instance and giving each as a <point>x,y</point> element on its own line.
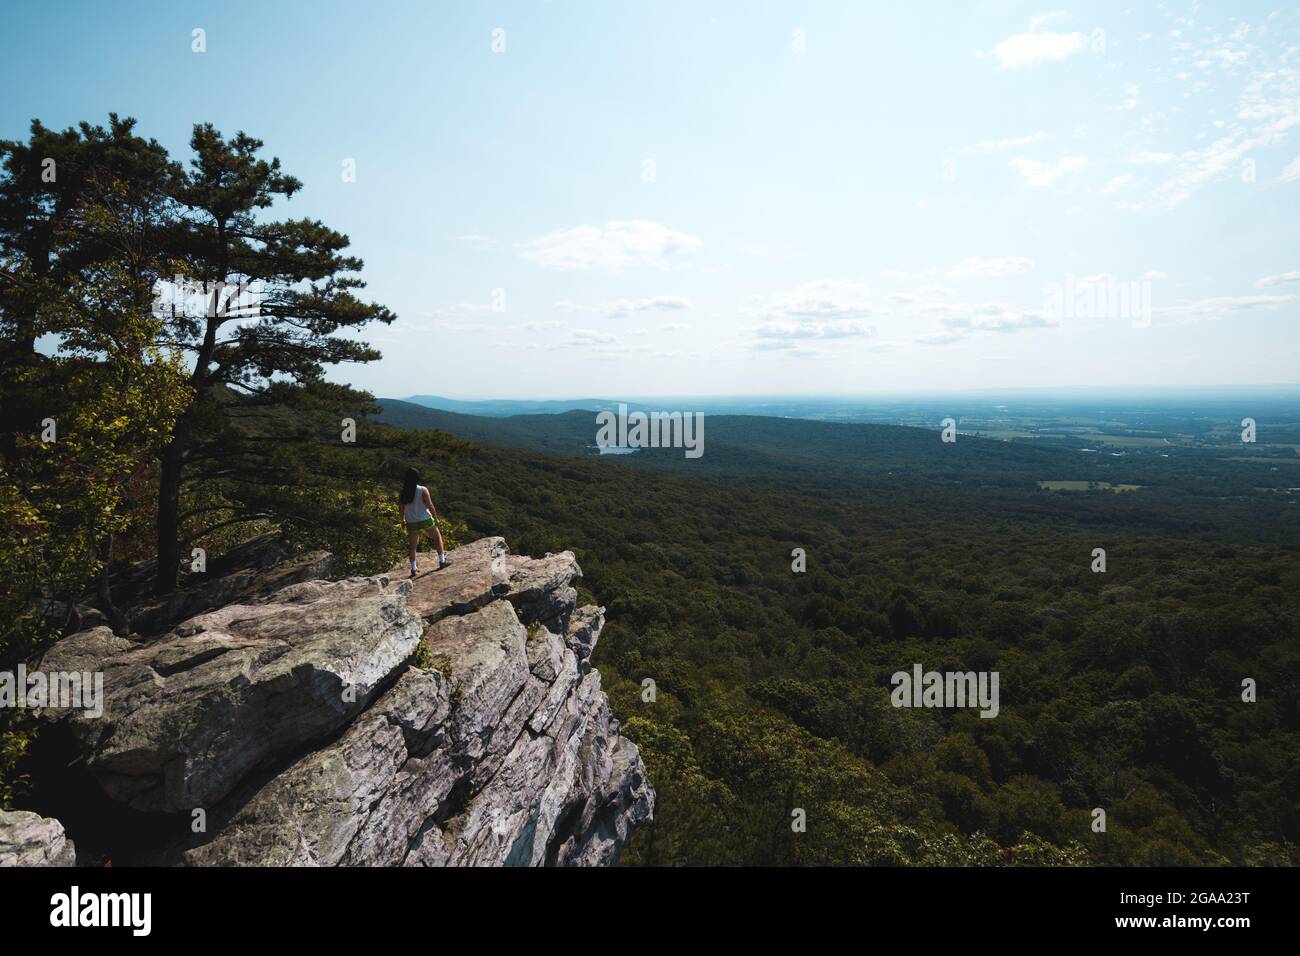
<point>447,720</point>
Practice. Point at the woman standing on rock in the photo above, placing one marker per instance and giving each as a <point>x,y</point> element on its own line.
<point>419,514</point>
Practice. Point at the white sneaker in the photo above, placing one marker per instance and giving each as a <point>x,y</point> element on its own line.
<point>442,560</point>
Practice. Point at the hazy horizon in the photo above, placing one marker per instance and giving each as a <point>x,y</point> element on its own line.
<point>1063,390</point>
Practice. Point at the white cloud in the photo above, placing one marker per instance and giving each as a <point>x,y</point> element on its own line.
<point>894,275</point>
<point>821,301</point>
<point>940,338</point>
<point>614,246</point>
<point>1038,174</point>
<point>458,310</point>
<point>1292,171</point>
<point>994,317</point>
<point>1198,167</point>
<point>1268,108</point>
<point>786,348</point>
<point>1035,47</point>
<point>1152,159</point>
<point>591,335</point>
<point>840,329</point>
<point>1122,181</point>
<point>1211,310</point>
<point>960,320</point>
<point>591,342</point>
<point>1132,96</point>
<point>462,317</point>
<point>1223,56</point>
<point>623,307</point>
<point>1001,145</point>
<point>975,268</point>
<point>587,339</point>
<point>1043,19</point>
<point>827,309</point>
<point>885,345</point>
<point>1016,323</point>
<point>455,326</point>
<point>1282,278</point>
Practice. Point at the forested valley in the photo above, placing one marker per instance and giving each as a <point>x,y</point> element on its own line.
<point>1120,690</point>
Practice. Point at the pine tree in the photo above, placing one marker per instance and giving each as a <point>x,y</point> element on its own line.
<point>45,184</point>
<point>264,427</point>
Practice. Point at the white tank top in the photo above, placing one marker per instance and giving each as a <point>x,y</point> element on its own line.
<point>414,510</point>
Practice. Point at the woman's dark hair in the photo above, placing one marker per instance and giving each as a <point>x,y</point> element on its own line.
<point>408,486</point>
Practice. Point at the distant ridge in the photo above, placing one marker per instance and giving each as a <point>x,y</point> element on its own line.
<point>568,433</point>
<point>504,407</point>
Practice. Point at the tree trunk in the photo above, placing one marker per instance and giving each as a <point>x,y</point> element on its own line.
<point>169,480</point>
<point>116,619</point>
<point>169,490</point>
<point>18,416</point>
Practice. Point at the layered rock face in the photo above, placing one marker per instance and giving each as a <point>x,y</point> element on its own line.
<point>27,839</point>
<point>450,719</point>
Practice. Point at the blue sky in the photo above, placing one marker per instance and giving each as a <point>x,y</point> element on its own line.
<point>727,198</point>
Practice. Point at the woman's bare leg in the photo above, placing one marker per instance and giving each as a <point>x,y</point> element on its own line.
<point>437,536</point>
<point>412,542</point>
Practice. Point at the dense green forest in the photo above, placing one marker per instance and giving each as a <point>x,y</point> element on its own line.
<point>1120,690</point>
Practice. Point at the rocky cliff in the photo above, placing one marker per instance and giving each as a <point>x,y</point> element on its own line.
<point>451,719</point>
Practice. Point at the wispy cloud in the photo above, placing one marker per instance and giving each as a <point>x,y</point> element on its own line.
<point>827,309</point>
<point>457,310</point>
<point>1221,307</point>
<point>614,246</point>
<point>462,317</point>
<point>940,338</point>
<point>994,317</point>
<point>1148,158</point>
<point>1001,145</point>
<point>1282,278</point>
<point>1267,110</point>
<point>623,307</point>
<point>896,275</point>
<point>1037,174</point>
<point>1036,47</point>
<point>974,267</point>
<point>591,335</point>
<point>1122,181</point>
<point>1014,323</point>
<point>821,301</point>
